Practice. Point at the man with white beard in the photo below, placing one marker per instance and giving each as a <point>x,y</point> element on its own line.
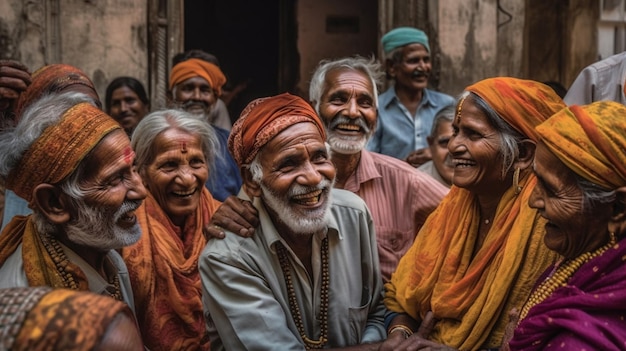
<point>74,165</point>
<point>309,277</point>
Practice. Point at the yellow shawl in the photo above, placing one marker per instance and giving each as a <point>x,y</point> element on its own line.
<point>471,297</point>
<point>163,269</point>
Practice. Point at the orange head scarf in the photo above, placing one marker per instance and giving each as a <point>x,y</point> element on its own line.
<point>198,68</point>
<point>60,149</point>
<point>590,140</point>
<point>42,318</point>
<point>265,118</point>
<point>49,79</point>
<point>523,104</point>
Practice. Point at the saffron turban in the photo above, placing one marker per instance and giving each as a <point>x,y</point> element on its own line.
<point>402,36</point>
<point>590,140</point>
<point>265,118</point>
<point>51,79</point>
<point>198,68</point>
<point>60,149</point>
<point>523,104</point>
<point>42,318</point>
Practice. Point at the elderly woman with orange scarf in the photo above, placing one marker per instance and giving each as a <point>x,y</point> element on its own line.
<point>580,303</point>
<point>479,253</point>
<point>174,151</point>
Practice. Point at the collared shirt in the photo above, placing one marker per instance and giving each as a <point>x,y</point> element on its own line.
<point>399,197</point>
<point>245,296</point>
<point>398,133</point>
<point>603,80</point>
<point>13,275</point>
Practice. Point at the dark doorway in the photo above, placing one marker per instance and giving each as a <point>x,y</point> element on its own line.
<point>255,42</point>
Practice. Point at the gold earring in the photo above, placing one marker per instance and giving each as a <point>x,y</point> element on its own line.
<point>516,185</point>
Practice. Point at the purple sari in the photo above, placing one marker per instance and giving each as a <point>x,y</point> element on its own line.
<point>589,313</point>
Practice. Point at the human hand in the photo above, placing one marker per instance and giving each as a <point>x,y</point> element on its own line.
<point>235,215</point>
<point>14,79</point>
<point>419,157</point>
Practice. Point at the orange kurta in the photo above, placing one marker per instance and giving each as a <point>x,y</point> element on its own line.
<point>163,268</point>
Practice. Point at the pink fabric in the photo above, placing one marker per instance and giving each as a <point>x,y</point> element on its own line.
<point>399,197</point>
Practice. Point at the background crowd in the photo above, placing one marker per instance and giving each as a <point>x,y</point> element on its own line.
<point>357,220</point>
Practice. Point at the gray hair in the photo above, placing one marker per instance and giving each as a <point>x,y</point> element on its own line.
<point>444,115</point>
<point>510,138</point>
<point>41,114</point>
<point>157,122</point>
<point>369,67</point>
<point>593,194</point>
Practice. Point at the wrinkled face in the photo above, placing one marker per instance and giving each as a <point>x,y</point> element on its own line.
<point>558,198</point>
<point>475,151</point>
<point>412,72</point>
<point>297,178</point>
<point>195,95</point>
<point>126,108</point>
<point>105,218</point>
<point>439,150</point>
<point>348,110</point>
<point>177,174</point>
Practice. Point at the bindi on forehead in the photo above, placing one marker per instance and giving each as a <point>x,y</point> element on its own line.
<point>128,155</point>
<point>183,147</point>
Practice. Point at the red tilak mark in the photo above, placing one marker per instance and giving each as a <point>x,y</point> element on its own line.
<point>184,147</point>
<point>128,155</point>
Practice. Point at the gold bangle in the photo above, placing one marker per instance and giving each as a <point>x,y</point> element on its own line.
<point>406,330</point>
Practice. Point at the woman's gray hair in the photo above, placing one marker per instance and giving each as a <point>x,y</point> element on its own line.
<point>369,67</point>
<point>41,114</point>
<point>444,115</point>
<point>593,194</point>
<point>155,123</point>
<point>510,138</point>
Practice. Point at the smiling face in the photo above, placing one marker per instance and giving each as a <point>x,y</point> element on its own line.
<point>348,109</point>
<point>297,178</point>
<point>412,71</point>
<point>439,150</point>
<point>127,108</point>
<point>195,96</point>
<point>559,199</point>
<point>177,174</point>
<point>475,151</point>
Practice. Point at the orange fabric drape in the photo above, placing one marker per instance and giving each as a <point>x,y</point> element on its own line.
<point>163,268</point>
<point>471,294</point>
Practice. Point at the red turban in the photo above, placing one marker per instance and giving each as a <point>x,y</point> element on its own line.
<point>49,79</point>
<point>265,118</point>
<point>523,104</point>
<point>60,149</point>
<point>198,68</point>
<point>591,141</point>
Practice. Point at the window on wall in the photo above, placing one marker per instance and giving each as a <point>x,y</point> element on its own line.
<point>612,28</point>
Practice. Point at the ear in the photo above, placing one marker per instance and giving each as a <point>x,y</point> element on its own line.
<point>617,223</point>
<point>52,203</point>
<point>252,188</point>
<point>390,69</point>
<point>526,156</point>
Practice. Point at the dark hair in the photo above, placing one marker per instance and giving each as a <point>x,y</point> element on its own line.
<point>129,82</point>
<point>194,53</point>
<point>558,88</point>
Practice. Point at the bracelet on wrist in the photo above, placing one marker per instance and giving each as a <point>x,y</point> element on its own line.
<point>403,328</point>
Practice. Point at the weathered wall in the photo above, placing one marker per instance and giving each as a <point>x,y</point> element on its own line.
<point>104,38</point>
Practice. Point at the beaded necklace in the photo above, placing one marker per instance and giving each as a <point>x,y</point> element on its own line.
<point>293,301</point>
<point>560,276</point>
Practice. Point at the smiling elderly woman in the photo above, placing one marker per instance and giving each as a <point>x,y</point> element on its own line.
<point>174,152</point>
<point>580,303</point>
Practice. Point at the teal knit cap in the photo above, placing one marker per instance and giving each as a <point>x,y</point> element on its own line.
<point>402,36</point>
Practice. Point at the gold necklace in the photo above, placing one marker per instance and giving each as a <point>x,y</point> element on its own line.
<point>293,301</point>
<point>560,277</point>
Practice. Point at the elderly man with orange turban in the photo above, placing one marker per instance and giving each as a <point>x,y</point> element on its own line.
<point>73,164</point>
<point>310,277</point>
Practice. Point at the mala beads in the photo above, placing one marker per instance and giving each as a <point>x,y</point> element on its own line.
<point>293,301</point>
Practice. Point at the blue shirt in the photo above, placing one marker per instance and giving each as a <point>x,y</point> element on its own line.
<point>398,133</point>
<point>225,179</point>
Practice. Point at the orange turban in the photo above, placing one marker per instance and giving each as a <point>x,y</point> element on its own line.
<point>198,68</point>
<point>49,79</point>
<point>60,149</point>
<point>523,104</point>
<point>591,141</point>
<point>265,118</point>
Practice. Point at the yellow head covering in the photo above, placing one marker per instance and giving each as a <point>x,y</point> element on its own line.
<point>591,141</point>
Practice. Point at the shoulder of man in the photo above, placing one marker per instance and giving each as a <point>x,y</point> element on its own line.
<point>440,98</point>
<point>347,199</point>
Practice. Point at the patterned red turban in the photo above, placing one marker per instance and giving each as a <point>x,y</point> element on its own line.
<point>591,141</point>
<point>49,79</point>
<point>198,68</point>
<point>60,149</point>
<point>265,118</point>
<point>523,104</point>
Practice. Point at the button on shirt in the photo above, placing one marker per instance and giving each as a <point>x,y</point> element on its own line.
<point>398,133</point>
